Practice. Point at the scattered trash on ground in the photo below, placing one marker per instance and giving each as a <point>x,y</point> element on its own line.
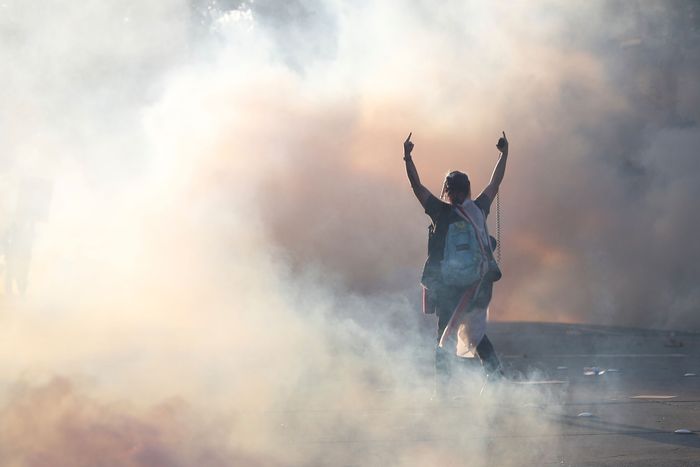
<point>562,368</point>
<point>613,370</point>
<point>690,374</point>
<point>585,414</point>
<point>593,371</point>
<point>652,396</point>
<point>683,431</point>
<point>548,381</point>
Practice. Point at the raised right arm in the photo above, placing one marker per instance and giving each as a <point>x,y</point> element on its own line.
<point>421,192</point>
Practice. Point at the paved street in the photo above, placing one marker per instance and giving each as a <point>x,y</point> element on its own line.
<point>589,396</point>
<point>637,398</point>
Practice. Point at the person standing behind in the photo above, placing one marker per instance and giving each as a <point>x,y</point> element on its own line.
<point>459,273</point>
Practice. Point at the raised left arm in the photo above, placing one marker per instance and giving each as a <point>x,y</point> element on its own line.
<point>491,189</point>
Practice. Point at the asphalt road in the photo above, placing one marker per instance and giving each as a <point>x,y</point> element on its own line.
<point>637,385</point>
<point>582,396</point>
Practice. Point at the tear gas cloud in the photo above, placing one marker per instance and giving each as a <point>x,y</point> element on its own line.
<point>229,237</point>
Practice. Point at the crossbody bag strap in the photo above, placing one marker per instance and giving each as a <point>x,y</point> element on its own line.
<point>464,214</point>
<point>471,293</point>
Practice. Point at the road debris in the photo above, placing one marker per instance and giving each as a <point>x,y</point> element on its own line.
<point>653,396</point>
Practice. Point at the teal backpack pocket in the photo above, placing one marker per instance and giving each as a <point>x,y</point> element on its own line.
<point>461,262</point>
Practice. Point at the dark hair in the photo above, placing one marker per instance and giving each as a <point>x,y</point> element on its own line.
<point>456,182</point>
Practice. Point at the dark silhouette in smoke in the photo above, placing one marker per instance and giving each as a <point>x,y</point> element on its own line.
<point>459,296</point>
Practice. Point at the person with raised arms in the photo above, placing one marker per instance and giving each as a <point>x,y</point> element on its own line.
<point>459,273</point>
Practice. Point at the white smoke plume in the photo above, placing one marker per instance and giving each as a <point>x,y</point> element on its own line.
<point>224,267</point>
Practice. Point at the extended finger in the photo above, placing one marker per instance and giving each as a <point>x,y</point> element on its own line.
<point>409,137</point>
<point>504,135</point>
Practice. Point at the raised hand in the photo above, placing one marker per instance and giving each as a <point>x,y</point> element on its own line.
<point>407,146</point>
<point>502,144</point>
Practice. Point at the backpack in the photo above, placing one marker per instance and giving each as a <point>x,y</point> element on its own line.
<point>468,255</point>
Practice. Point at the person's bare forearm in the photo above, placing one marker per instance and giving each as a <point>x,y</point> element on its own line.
<point>412,172</point>
<point>420,191</point>
<point>500,170</point>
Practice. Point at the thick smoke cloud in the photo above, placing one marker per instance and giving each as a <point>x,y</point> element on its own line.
<point>595,175</point>
<point>228,244</point>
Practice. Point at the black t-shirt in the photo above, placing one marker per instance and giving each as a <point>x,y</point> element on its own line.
<point>435,207</point>
<point>442,214</point>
